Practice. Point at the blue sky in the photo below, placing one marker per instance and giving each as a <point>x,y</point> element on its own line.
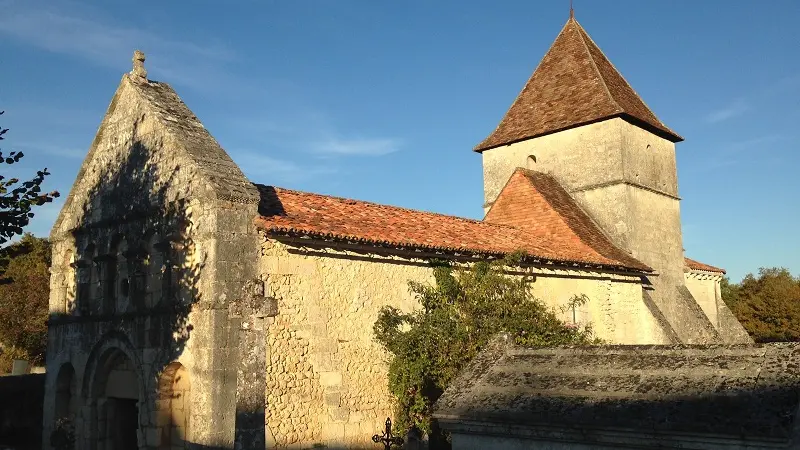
<point>383,101</point>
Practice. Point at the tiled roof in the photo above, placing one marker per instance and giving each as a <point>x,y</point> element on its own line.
<point>696,265</point>
<point>733,391</point>
<point>285,211</point>
<point>537,203</point>
<point>574,84</point>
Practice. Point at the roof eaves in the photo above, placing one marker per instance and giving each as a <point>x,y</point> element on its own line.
<point>300,232</point>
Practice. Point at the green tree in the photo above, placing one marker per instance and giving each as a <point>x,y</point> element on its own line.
<point>459,314</point>
<point>17,198</point>
<point>729,292</point>
<point>768,306</point>
<point>24,298</point>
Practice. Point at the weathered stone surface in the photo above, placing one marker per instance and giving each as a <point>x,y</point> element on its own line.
<point>736,392</point>
<point>147,199</point>
<point>159,271</point>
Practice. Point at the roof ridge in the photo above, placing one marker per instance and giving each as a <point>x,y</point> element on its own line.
<point>600,76</point>
<point>521,91</point>
<point>596,226</point>
<point>585,35</point>
<point>574,84</point>
<point>384,205</point>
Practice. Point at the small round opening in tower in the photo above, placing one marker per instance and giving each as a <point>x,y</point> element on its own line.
<point>531,162</point>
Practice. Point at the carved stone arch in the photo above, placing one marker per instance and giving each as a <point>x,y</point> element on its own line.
<point>85,275</point>
<point>109,282</point>
<point>68,269</point>
<point>154,265</point>
<point>111,341</point>
<point>167,256</point>
<point>174,407</point>
<point>136,263</point>
<point>66,392</point>
<point>121,279</point>
<point>114,392</point>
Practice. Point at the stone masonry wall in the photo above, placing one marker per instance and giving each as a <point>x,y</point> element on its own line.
<point>326,376</point>
<point>625,178</point>
<point>140,173</point>
<point>705,288</point>
<point>590,155</point>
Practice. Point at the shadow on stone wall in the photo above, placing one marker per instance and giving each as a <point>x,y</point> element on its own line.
<point>134,279</point>
<point>20,411</point>
<point>760,416</point>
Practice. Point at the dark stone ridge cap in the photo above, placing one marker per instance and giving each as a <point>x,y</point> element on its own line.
<point>731,390</point>
<point>225,177</point>
<point>471,377</point>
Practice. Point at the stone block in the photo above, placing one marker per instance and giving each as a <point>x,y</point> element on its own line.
<point>333,433</point>
<point>332,399</point>
<point>153,436</point>
<point>326,345</point>
<point>319,329</point>
<point>330,379</point>
<point>340,414</point>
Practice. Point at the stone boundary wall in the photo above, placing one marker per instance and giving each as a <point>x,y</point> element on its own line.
<point>21,402</point>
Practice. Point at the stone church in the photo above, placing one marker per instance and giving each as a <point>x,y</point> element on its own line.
<point>194,308</point>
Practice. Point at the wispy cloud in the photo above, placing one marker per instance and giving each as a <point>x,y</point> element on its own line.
<point>75,30</point>
<point>735,109</point>
<point>259,167</point>
<point>102,43</point>
<point>44,216</point>
<point>758,142</point>
<point>52,150</point>
<point>735,153</point>
<point>311,132</point>
<point>356,147</point>
<point>753,99</point>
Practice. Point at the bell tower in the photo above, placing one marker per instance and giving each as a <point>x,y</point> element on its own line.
<point>579,120</point>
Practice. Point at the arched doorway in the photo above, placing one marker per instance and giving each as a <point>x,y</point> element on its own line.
<point>174,389</point>
<point>65,392</point>
<point>116,401</point>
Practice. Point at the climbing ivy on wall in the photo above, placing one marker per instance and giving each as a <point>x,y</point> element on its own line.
<point>459,314</point>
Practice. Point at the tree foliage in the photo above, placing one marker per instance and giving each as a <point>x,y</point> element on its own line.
<point>24,298</point>
<point>768,306</point>
<point>459,314</point>
<point>18,198</point>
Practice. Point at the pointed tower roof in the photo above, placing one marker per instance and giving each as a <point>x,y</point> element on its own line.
<point>574,84</point>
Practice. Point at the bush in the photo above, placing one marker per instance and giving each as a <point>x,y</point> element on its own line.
<point>459,315</point>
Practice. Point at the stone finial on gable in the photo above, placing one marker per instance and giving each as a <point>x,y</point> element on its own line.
<point>139,73</point>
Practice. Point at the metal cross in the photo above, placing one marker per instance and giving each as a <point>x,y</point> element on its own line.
<point>388,440</point>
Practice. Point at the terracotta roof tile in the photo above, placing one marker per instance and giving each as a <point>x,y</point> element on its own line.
<point>696,265</point>
<point>537,203</point>
<point>285,211</point>
<point>574,84</point>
